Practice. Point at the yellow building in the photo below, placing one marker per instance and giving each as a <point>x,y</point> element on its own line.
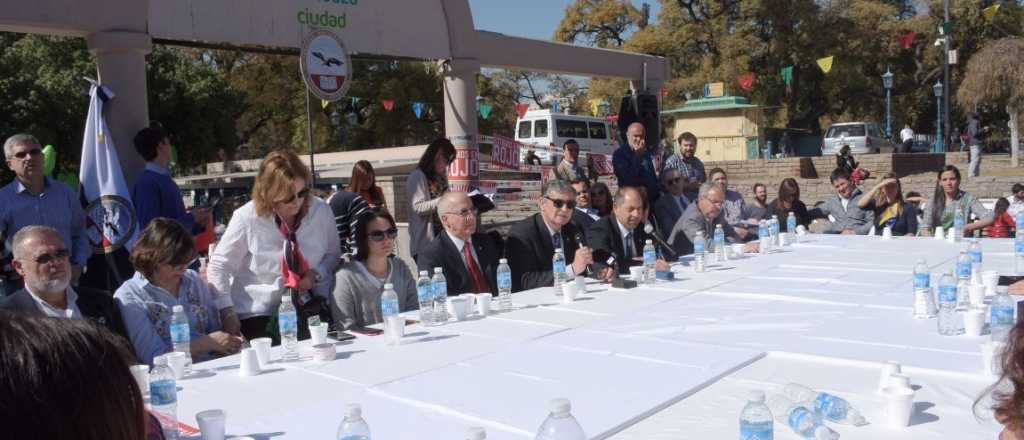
<point>727,128</point>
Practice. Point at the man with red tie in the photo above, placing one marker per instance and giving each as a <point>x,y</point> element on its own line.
<point>469,260</point>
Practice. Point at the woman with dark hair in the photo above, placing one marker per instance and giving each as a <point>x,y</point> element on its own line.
<point>949,199</point>
<point>1003,224</point>
<point>788,200</point>
<point>162,280</point>
<point>425,186</point>
<point>601,199</point>
<point>1008,392</point>
<point>364,183</point>
<point>886,200</point>
<point>359,283</point>
<point>65,379</point>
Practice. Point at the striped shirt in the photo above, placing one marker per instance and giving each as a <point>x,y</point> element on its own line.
<point>347,208</point>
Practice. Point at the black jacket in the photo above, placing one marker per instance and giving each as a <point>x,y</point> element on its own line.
<point>97,306</point>
<point>441,252</point>
<point>530,251</point>
<point>605,239</point>
<point>582,221</point>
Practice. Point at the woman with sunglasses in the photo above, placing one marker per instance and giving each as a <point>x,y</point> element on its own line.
<point>601,199</point>
<point>359,284</point>
<point>162,280</point>
<point>426,184</point>
<point>250,268</point>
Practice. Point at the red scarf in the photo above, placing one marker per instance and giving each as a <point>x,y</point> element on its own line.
<point>293,264</point>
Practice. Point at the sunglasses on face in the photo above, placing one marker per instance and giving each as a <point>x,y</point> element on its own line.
<point>297,196</point>
<point>35,152</point>
<point>60,254</point>
<point>559,204</point>
<point>381,235</point>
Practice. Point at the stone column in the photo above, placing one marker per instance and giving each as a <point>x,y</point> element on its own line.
<point>121,66</point>
<point>460,121</point>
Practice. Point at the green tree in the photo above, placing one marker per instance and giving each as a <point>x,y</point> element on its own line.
<point>601,23</point>
<point>995,76</point>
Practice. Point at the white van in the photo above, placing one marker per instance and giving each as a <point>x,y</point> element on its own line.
<point>543,128</point>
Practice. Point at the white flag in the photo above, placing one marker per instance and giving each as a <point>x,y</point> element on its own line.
<point>110,215</point>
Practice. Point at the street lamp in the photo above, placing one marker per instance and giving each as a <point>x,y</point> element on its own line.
<point>887,83</point>
<point>938,118</point>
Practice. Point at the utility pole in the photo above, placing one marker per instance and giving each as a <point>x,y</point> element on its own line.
<point>947,31</point>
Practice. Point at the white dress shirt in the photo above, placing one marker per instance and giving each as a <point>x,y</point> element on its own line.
<point>459,243</point>
<point>71,312</point>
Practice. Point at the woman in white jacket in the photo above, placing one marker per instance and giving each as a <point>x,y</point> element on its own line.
<point>248,265</point>
<point>425,186</point>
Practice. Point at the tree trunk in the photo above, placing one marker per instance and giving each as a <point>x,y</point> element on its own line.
<point>1014,136</point>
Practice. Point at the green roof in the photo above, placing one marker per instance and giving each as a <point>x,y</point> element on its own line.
<point>712,104</point>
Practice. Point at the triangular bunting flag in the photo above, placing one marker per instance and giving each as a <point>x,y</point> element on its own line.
<point>990,12</point>
<point>485,109</point>
<point>417,108</point>
<point>555,106</point>
<point>323,103</point>
<point>355,101</point>
<point>521,109</point>
<point>746,81</point>
<point>663,93</point>
<point>907,39</point>
<point>787,75</point>
<point>825,64</point>
<point>594,105</point>
<point>388,104</point>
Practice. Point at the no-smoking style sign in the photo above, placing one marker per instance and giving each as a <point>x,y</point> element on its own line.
<point>325,65</point>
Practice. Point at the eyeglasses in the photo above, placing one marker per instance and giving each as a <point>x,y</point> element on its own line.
<point>464,212</point>
<point>559,203</point>
<point>381,235</point>
<point>35,152</point>
<point>60,254</point>
<point>297,196</point>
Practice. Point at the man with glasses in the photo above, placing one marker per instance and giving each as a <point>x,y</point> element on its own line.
<point>468,259</point>
<point>532,241</point>
<point>41,258</point>
<point>33,198</point>
<point>704,216</point>
<point>672,203</point>
<point>569,168</point>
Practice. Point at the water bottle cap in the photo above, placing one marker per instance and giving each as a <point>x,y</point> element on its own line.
<point>503,261</point>
<point>476,433</point>
<point>177,308</point>
<point>353,410</point>
<point>560,405</point>
<point>388,286</point>
<point>160,360</point>
<point>755,396</point>
<point>437,270</point>
<point>424,273</point>
<point>648,242</point>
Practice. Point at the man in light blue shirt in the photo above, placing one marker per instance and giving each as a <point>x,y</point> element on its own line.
<point>34,199</point>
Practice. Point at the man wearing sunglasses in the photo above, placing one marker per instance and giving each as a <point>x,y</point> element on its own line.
<point>32,198</point>
<point>672,203</point>
<point>468,259</point>
<point>533,240</point>
<point>41,258</point>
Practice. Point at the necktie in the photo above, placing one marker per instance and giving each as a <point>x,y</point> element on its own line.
<point>629,246</point>
<point>556,240</point>
<point>475,274</point>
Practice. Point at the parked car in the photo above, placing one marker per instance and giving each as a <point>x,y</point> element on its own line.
<point>544,127</point>
<point>862,137</point>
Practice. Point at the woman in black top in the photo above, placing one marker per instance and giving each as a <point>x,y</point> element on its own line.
<point>788,200</point>
<point>886,200</point>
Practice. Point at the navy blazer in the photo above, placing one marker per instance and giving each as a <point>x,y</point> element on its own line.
<point>605,239</point>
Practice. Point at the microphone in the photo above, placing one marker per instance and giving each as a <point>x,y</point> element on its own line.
<point>649,229</point>
<point>579,244</point>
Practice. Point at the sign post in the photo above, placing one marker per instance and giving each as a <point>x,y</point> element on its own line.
<point>326,69</point>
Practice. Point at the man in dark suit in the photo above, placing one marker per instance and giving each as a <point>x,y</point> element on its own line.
<point>532,241</point>
<point>634,165</point>
<point>672,203</point>
<point>42,260</point>
<point>468,259</point>
<point>583,216</point>
<point>621,235</point>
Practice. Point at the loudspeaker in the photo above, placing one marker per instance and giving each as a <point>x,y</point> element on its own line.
<point>642,108</point>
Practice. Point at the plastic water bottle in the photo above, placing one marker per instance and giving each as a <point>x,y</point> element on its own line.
<point>756,419</point>
<point>439,285</point>
<point>774,224</point>
<point>832,408</point>
<point>800,418</point>
<point>1002,315</point>
<point>558,270</point>
<point>924,301</point>
<point>950,322</point>
<point>353,427</point>
<point>699,247</point>
<point>560,424</point>
<point>425,295</point>
<point>504,285</point>
<point>288,324</point>
<point>958,224</point>
<point>720,253</point>
<point>963,278</point>
<point>791,227</point>
<point>476,433</point>
<point>1018,247</point>
<point>974,251</point>
<point>394,324</point>
<point>650,258</point>
<point>163,396</point>
<point>765,236</point>
<point>181,335</point>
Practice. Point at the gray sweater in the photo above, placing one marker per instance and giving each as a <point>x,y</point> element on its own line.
<point>859,220</point>
<point>356,297</point>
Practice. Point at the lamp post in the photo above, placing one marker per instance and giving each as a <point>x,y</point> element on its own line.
<point>938,117</point>
<point>887,83</point>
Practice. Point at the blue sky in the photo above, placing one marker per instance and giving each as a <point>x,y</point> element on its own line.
<point>528,18</point>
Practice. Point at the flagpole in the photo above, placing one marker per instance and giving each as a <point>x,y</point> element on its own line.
<point>309,136</point>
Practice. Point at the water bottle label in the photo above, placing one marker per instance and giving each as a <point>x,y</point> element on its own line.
<point>425,293</point>
<point>823,403</point>
<point>1019,245</point>
<point>797,417</point>
<point>558,267</point>
<point>441,289</point>
<point>963,270</point>
<point>1001,316</point>
<point>947,294</point>
<point>179,333</point>
<point>163,392</point>
<point>650,256</point>
<point>756,431</point>
<point>504,280</point>
<point>958,222</point>
<point>698,248</point>
<point>287,323</point>
<point>389,307</point>
<point>975,256</point>
<point>921,280</point>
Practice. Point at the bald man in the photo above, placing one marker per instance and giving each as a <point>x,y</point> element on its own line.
<point>468,259</point>
<point>634,165</point>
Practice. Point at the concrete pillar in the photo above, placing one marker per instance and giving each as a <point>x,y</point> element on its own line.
<point>460,121</point>
<point>121,66</point>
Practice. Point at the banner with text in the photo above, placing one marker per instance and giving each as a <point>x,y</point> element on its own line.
<point>505,153</point>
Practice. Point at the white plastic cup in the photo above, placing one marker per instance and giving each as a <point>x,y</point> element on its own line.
<point>262,347</point>
<point>581,284</point>
<point>458,307</point>
<point>974,321</point>
<point>177,361</point>
<point>141,374</point>
<point>569,291</point>
<point>887,233</point>
<point>888,369</point>
<point>318,333</point>
<point>899,381</point>
<point>939,233</point>
<point>470,302</point>
<point>637,272</point>
<point>483,304</point>
<point>976,292</point>
<point>737,250</point>
<point>991,352</point>
<point>324,352</point>
<point>899,406</point>
<point>211,423</point>
<point>990,279</point>
<point>250,362</point>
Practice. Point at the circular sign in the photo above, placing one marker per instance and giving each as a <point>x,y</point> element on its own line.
<point>110,223</point>
<point>325,65</point>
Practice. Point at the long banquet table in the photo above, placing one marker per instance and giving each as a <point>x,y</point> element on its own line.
<point>665,361</point>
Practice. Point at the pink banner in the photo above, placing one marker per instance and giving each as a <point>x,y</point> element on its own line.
<point>601,164</point>
<point>505,153</point>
